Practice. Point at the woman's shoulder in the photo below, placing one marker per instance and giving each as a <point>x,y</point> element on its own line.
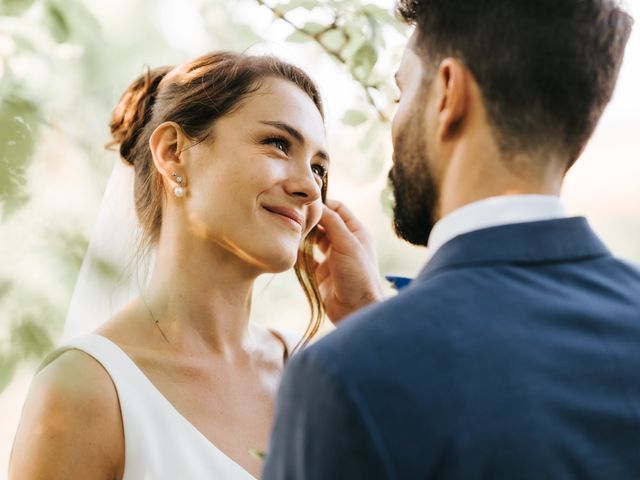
<point>73,379</point>
<point>75,376</point>
<point>70,422</point>
<point>76,387</point>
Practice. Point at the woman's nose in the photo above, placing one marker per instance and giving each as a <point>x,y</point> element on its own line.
<point>304,184</point>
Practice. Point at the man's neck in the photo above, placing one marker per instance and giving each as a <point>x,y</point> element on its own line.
<point>476,172</point>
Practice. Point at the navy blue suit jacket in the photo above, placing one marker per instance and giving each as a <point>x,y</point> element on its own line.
<point>514,355</point>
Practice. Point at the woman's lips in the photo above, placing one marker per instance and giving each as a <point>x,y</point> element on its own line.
<point>288,214</point>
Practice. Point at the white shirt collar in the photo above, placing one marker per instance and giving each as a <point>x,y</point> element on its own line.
<point>492,212</point>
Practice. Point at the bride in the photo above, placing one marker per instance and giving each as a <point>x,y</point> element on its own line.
<point>230,165</point>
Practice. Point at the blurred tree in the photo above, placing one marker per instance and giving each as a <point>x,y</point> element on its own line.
<point>32,37</point>
<point>353,36</point>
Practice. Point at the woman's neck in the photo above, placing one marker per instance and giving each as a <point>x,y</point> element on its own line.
<point>200,297</point>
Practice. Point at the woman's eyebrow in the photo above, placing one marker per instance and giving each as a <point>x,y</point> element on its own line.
<point>295,134</point>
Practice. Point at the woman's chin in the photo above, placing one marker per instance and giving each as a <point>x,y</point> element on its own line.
<point>276,258</point>
<point>282,264</point>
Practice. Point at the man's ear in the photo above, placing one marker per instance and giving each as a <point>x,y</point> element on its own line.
<point>166,143</point>
<point>453,92</point>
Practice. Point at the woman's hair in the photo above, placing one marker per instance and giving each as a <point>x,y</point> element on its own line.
<point>194,96</point>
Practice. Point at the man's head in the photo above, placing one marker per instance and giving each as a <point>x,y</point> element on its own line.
<point>533,77</point>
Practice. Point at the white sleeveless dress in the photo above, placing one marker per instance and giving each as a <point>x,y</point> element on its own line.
<point>160,444</point>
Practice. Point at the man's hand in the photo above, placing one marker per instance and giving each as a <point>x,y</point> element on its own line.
<point>348,276</point>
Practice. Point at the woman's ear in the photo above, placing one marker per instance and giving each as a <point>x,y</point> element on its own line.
<point>167,143</point>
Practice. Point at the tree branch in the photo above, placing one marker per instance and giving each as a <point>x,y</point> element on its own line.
<point>335,54</point>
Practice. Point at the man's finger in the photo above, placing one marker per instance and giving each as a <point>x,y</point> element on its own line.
<point>336,231</point>
<point>322,272</point>
<point>347,216</point>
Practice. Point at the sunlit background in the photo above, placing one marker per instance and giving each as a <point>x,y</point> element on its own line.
<point>64,64</point>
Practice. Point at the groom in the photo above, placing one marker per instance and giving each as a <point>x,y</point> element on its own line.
<point>516,352</point>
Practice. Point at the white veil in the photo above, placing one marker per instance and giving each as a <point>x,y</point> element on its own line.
<point>111,274</point>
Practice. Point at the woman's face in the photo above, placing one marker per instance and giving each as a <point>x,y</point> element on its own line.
<point>254,187</point>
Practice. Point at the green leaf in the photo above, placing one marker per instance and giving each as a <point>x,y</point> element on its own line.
<point>257,454</point>
<point>31,338</point>
<point>383,15</point>
<point>12,204</point>
<point>372,138</point>
<point>80,16</point>
<point>57,21</point>
<point>356,37</point>
<point>17,143</point>
<point>107,269</point>
<point>5,287</point>
<point>298,37</point>
<point>364,60</point>
<point>293,4</point>
<point>387,200</point>
<point>314,27</point>
<point>334,40</point>
<point>354,118</point>
<point>7,370</point>
<point>14,7</point>
<point>70,247</point>
<point>24,42</point>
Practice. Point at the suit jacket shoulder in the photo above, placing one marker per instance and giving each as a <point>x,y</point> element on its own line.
<point>516,348</point>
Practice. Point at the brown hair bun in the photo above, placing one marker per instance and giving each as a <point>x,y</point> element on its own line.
<point>134,111</point>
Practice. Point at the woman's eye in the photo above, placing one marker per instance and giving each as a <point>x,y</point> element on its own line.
<point>279,143</point>
<point>319,170</point>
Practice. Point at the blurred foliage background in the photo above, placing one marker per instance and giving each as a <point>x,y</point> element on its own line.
<point>64,64</point>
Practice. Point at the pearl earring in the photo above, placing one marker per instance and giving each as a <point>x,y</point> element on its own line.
<point>179,190</point>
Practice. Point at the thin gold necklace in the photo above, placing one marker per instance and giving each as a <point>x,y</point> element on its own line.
<point>154,319</point>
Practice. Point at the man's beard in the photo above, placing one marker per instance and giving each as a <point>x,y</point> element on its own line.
<point>414,187</point>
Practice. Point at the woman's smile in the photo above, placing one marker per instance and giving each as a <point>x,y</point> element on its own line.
<point>287,215</point>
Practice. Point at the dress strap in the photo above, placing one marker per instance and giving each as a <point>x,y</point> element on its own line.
<point>101,349</point>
